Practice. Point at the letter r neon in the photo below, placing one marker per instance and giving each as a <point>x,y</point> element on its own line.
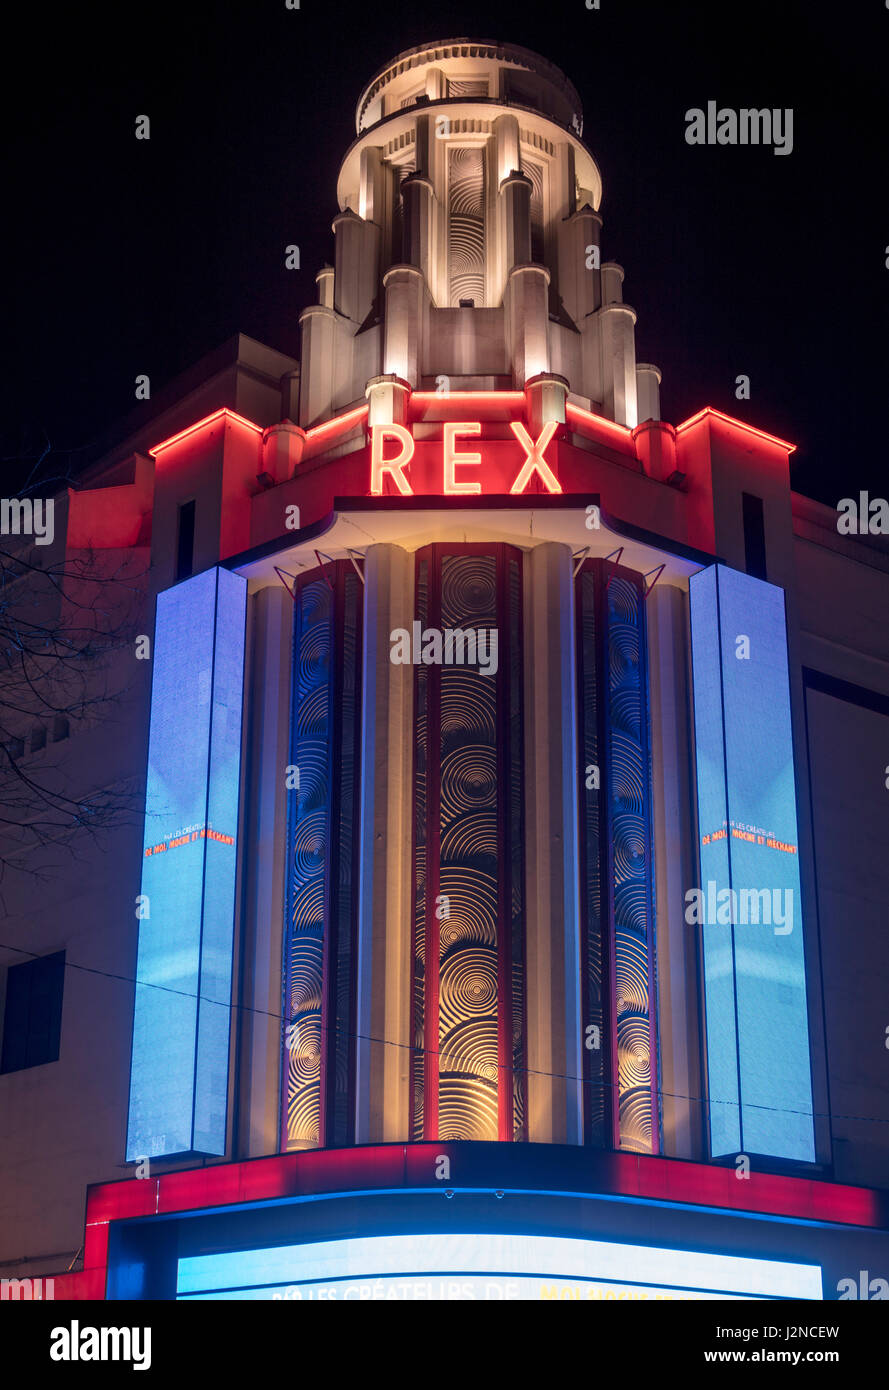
<point>378,465</point>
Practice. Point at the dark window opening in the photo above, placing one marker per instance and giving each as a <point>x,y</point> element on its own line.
<point>754,536</point>
<point>38,738</point>
<point>185,541</point>
<point>32,1021</point>
<point>60,728</point>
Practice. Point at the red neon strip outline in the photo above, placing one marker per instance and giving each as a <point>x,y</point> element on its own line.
<point>405,1167</point>
<point>738,424</point>
<point>201,424</point>
<point>338,423</point>
<point>587,417</point>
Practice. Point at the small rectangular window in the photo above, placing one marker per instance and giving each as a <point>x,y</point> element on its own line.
<point>754,536</point>
<point>32,1021</point>
<point>185,541</point>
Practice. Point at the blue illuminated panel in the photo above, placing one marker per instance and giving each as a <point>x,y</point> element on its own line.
<point>179,1069</point>
<point>749,909</point>
<point>488,1265</point>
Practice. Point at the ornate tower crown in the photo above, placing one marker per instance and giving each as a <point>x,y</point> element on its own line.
<point>468,242</point>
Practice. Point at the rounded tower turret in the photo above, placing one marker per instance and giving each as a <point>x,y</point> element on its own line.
<point>468,241</point>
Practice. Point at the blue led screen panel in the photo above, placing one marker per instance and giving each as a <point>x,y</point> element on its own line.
<point>179,1068</point>
<point>749,907</point>
<point>488,1265</point>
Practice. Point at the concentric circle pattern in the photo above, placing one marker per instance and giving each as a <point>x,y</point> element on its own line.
<point>629,861</point>
<point>466,225</point>
<point>310,752</point>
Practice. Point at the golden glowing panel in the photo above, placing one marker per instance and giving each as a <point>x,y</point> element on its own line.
<point>468,1002</point>
<point>309,832</point>
<point>468,994</point>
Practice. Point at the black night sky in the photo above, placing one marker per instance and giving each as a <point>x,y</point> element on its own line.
<point>128,256</point>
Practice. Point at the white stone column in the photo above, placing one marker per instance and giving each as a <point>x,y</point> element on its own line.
<point>357,265</point>
<point>385,873</point>
<point>324,281</point>
<point>579,284</point>
<point>506,147</point>
<point>271,625</point>
<point>417,199</point>
<point>372,185</point>
<point>555,1109</point>
<point>319,336</point>
<point>406,302</point>
<point>618,344</point>
<point>527,321</point>
<point>675,865</point>
<point>515,196</point>
<point>648,397</point>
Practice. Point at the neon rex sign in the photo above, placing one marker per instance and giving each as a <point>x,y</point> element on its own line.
<point>462,472</point>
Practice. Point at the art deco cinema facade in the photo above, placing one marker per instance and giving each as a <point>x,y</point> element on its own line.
<point>495,879</point>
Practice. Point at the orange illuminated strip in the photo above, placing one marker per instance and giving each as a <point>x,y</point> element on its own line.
<point>738,424</point>
<point>202,424</point>
<point>504,398</point>
<point>575,414</point>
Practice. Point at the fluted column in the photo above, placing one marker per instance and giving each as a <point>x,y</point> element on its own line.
<point>385,893</point>
<point>527,321</point>
<point>406,298</point>
<point>648,397</point>
<point>271,624</point>
<point>318,335</point>
<point>515,196</point>
<point>618,342</point>
<point>553,923</point>
<point>417,200</point>
<point>357,265</point>
<point>579,282</point>
<point>324,281</point>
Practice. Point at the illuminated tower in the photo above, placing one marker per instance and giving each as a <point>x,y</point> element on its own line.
<point>465,576</point>
<point>468,243</point>
<point>479,697</point>
<point>466,277</point>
